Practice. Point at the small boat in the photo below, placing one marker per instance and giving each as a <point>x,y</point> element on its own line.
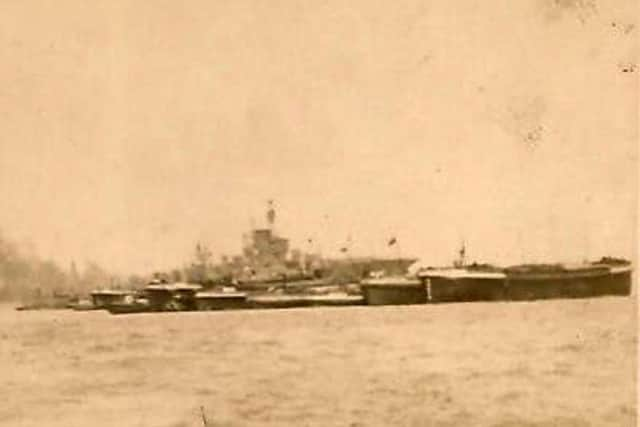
<point>55,301</point>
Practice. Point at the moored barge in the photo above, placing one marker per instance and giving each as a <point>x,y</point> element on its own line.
<point>532,282</point>
<point>459,285</point>
<point>393,291</point>
<point>527,282</point>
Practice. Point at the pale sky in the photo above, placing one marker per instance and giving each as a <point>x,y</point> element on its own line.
<point>131,130</point>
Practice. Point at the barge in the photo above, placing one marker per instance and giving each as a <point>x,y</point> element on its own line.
<point>527,282</point>
<point>459,285</point>
<point>393,291</point>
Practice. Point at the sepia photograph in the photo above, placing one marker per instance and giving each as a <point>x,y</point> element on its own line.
<point>221,213</point>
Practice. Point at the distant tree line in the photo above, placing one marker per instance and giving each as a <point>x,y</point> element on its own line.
<point>25,276</point>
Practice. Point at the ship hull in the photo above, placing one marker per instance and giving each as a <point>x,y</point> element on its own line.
<point>128,308</point>
<point>335,300</point>
<point>382,292</point>
<point>278,301</point>
<point>293,301</point>
<point>220,301</point>
<point>440,289</point>
<point>577,286</point>
<point>520,285</point>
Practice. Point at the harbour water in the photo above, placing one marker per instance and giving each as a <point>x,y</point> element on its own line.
<point>419,365</point>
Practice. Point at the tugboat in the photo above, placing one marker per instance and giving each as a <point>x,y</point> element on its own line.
<point>158,296</point>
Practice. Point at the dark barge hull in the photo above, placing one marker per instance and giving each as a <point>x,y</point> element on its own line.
<point>568,286</point>
<point>440,289</point>
<point>393,292</point>
<point>528,285</point>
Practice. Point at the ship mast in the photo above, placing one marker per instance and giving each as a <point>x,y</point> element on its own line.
<point>461,261</point>
<point>271,215</point>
